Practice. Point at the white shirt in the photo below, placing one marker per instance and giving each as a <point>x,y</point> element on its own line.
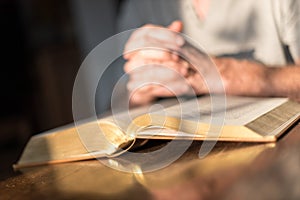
<point>267,31</point>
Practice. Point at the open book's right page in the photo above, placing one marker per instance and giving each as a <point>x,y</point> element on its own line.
<point>240,118</point>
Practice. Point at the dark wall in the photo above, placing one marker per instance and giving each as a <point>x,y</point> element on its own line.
<point>40,55</point>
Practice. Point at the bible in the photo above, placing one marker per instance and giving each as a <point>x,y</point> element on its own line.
<point>231,118</point>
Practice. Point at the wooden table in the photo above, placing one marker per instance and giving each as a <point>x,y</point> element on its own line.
<point>230,171</point>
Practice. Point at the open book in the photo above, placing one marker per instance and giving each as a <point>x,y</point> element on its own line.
<point>232,118</point>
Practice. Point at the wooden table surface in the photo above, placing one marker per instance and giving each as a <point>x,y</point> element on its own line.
<point>230,171</point>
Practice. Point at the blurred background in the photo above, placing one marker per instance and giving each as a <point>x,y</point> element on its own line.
<point>42,46</point>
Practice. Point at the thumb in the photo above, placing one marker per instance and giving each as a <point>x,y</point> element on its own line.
<point>176,26</point>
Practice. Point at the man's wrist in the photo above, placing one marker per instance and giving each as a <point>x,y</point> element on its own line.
<point>271,81</point>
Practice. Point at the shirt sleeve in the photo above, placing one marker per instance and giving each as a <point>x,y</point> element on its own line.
<point>290,10</point>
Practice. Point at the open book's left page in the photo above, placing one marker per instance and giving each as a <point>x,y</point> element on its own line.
<point>64,145</point>
<point>87,140</point>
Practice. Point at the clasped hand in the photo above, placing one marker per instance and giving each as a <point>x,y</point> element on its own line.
<point>155,67</point>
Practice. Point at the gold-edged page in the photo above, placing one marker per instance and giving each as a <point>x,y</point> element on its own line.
<point>88,139</point>
<point>246,119</point>
<point>276,121</point>
<point>63,145</point>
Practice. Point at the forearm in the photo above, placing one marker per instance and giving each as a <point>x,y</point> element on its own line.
<point>284,81</point>
<point>247,78</point>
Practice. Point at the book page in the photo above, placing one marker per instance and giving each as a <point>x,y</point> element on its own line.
<point>237,119</point>
<point>124,119</point>
<point>236,110</point>
<point>64,145</point>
